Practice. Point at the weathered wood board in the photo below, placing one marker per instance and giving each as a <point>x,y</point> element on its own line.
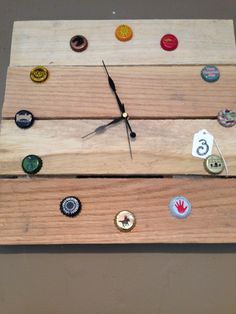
<point>47,42</point>
<point>156,150</point>
<point>148,91</point>
<point>30,211</point>
<point>167,101</point>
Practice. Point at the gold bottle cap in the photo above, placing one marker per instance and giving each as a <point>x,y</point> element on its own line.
<point>125,220</point>
<point>39,74</point>
<point>214,164</point>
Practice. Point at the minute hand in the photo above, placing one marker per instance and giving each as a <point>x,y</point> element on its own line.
<point>113,87</point>
<point>120,104</point>
<point>125,116</point>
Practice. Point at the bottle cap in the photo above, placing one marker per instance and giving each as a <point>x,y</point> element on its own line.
<point>124,32</point>
<point>32,164</point>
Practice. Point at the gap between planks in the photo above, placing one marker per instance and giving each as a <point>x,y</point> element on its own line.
<point>115,176</point>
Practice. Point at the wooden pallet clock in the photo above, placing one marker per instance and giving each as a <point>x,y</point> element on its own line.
<point>169,82</point>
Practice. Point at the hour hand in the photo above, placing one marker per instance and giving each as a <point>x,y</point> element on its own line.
<point>102,128</point>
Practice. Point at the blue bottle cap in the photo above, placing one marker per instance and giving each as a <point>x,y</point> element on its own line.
<point>210,73</point>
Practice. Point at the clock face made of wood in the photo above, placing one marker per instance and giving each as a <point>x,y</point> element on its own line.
<point>117,139</point>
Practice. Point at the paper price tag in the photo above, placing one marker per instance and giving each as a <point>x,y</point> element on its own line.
<point>202,144</point>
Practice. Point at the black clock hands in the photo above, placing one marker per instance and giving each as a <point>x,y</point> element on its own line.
<point>102,128</point>
<point>132,134</point>
<point>127,131</point>
<point>124,116</point>
<point>120,104</point>
<point>113,87</point>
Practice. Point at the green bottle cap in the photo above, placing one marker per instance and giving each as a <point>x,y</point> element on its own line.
<point>32,164</point>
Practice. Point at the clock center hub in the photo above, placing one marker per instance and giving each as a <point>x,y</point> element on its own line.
<point>125,115</point>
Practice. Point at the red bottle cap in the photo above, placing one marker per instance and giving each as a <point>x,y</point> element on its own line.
<point>169,42</point>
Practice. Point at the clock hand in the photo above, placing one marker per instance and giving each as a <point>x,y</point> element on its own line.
<point>113,87</point>
<point>102,128</point>
<point>120,104</point>
<point>132,133</point>
<point>127,131</point>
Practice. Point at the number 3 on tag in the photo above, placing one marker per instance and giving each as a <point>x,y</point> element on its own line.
<point>202,144</point>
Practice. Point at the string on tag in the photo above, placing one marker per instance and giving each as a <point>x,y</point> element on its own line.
<point>222,156</point>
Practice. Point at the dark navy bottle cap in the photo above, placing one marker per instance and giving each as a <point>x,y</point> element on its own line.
<point>70,206</point>
<point>24,119</point>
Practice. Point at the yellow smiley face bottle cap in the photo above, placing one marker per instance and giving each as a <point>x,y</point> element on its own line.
<point>39,74</point>
<point>124,32</point>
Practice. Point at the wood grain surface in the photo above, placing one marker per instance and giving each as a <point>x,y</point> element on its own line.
<point>29,211</point>
<point>75,100</point>
<point>161,147</point>
<point>47,42</point>
<point>147,91</point>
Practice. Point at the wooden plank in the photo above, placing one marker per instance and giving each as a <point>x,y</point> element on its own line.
<point>148,91</point>
<point>47,42</point>
<point>161,147</point>
<point>29,211</point>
